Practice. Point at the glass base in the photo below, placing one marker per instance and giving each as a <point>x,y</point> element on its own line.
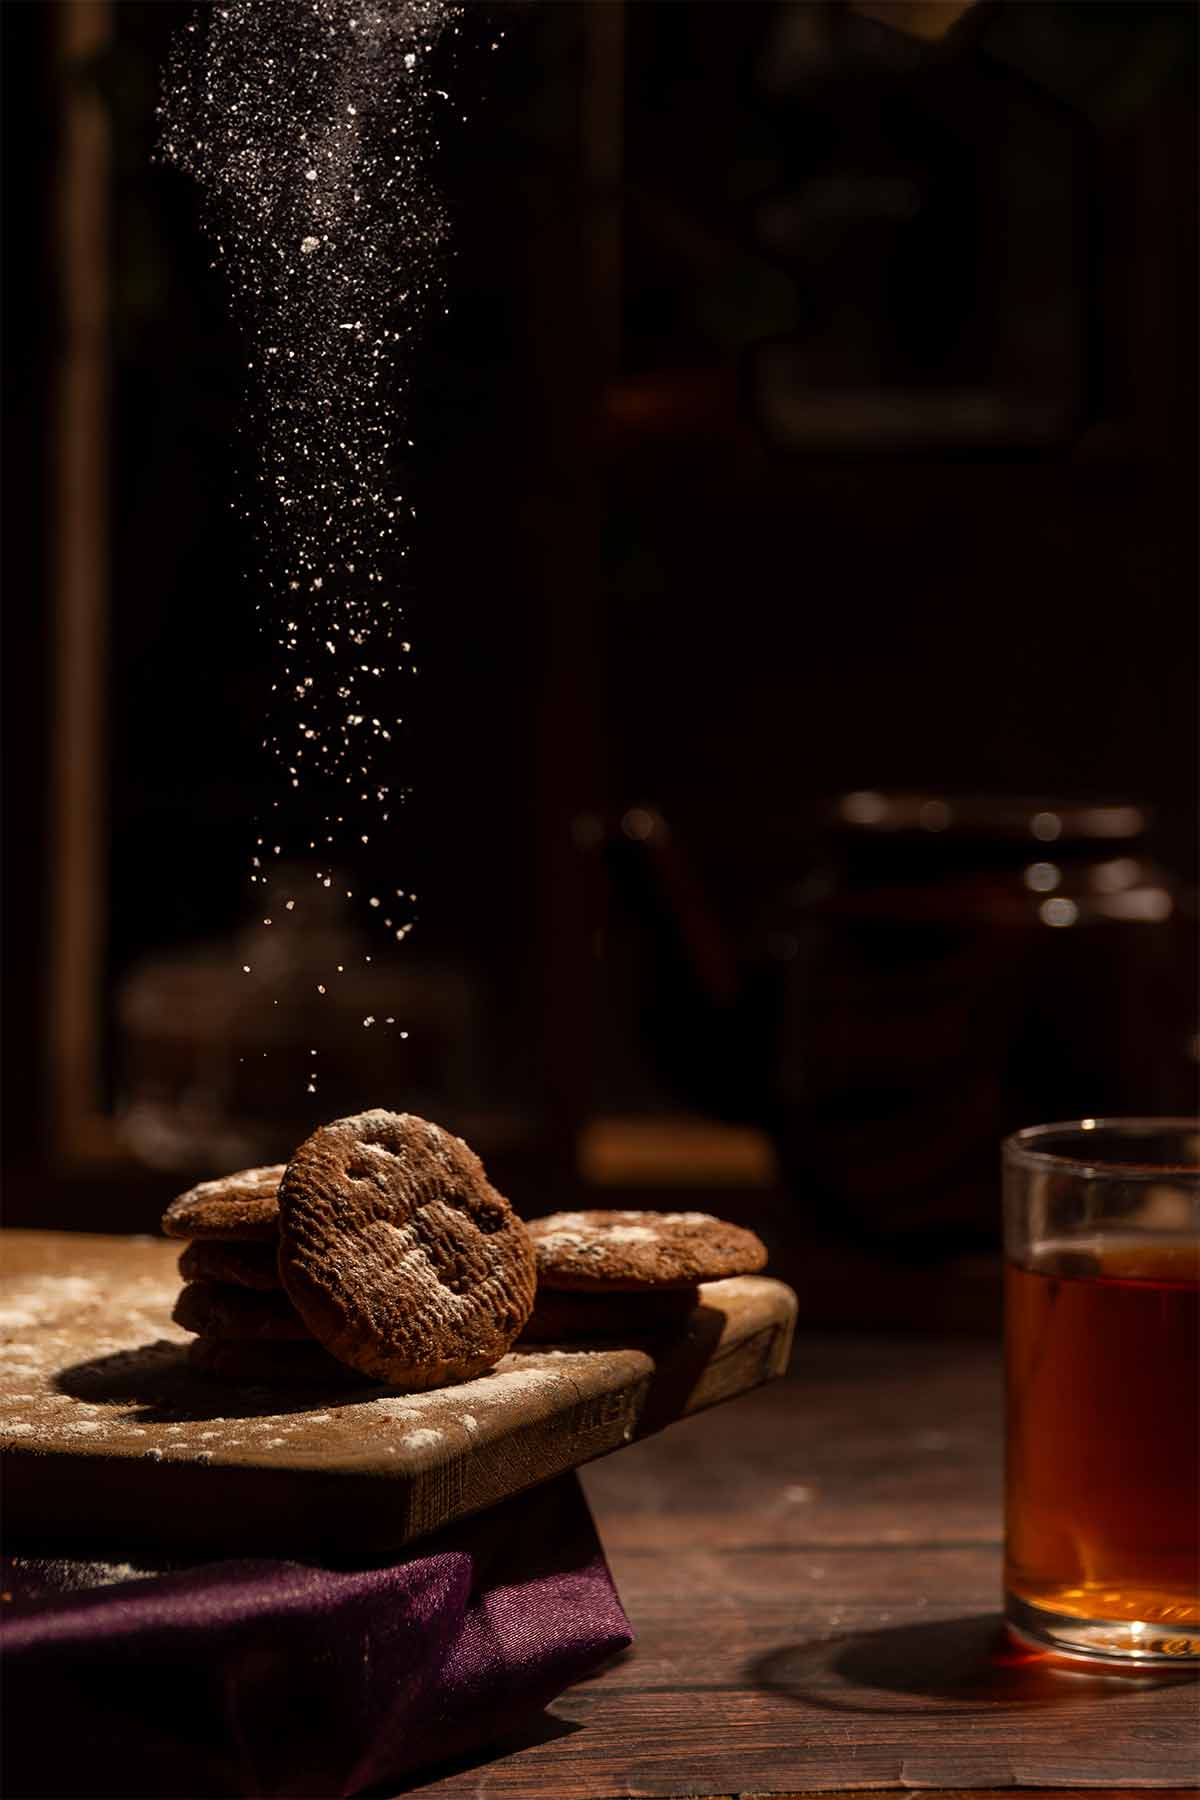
<point>1133,1642</point>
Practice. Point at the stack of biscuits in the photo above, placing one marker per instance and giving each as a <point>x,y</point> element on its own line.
<point>381,1251</point>
<point>233,1297</point>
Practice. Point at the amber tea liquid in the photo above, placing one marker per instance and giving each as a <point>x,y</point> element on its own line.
<point>1103,1456</point>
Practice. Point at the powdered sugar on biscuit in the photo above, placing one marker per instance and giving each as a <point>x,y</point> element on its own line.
<point>639,1249</point>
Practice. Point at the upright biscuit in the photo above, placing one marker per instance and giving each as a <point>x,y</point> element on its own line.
<point>401,1258</point>
<point>244,1265</point>
<point>631,1251</point>
<point>214,1310</point>
<point>242,1207</point>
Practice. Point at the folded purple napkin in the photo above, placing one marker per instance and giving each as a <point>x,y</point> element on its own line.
<point>263,1677</point>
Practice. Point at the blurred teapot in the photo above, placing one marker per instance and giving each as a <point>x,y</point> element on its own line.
<point>935,971</point>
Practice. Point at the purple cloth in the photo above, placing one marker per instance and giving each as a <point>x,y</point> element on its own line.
<point>263,1677</point>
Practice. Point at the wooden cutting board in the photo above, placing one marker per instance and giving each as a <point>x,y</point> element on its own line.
<point>108,1435</point>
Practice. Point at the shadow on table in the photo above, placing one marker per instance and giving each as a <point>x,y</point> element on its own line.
<point>158,1380</point>
<point>961,1666</point>
<point>679,1366</point>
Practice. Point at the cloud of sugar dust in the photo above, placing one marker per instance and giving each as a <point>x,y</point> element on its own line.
<point>309,125</point>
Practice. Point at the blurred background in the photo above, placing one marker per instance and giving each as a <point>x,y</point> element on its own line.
<point>805,590</point>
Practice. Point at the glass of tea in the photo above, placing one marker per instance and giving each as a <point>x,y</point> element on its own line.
<point>1102,1332</point>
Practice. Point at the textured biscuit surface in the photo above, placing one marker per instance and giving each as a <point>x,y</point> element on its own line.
<point>632,1251</point>
<point>241,1206</point>
<point>400,1256</point>
<point>243,1265</point>
<point>236,1359</point>
<point>216,1310</point>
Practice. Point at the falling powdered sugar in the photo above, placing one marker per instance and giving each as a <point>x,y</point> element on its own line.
<point>309,128</point>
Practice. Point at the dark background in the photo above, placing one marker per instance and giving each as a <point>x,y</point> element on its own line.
<point>814,412</point>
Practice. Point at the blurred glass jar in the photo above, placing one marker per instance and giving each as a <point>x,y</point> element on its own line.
<point>230,1053</point>
<point>952,968</point>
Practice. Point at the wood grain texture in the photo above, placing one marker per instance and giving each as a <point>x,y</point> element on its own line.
<point>96,1398</point>
<point>815,1591</point>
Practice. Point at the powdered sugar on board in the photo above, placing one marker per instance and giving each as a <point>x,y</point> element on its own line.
<point>93,1364</point>
<point>106,1426</point>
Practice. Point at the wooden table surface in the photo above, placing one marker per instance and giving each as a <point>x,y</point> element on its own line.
<point>814,1585</point>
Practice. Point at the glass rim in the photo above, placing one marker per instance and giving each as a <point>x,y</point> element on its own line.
<point>1019,1148</point>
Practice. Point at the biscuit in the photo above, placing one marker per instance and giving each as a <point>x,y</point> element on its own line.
<point>244,1265</point>
<point>213,1309</point>
<point>631,1251</point>
<point>564,1316</point>
<point>399,1255</point>
<point>238,1359</point>
<point>242,1207</point>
